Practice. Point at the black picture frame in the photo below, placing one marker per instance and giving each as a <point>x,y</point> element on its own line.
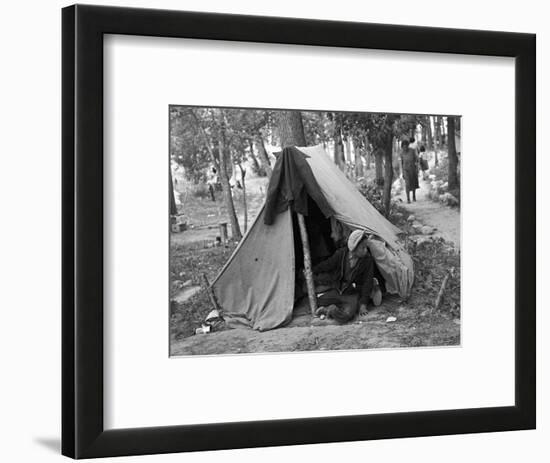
<point>83,434</point>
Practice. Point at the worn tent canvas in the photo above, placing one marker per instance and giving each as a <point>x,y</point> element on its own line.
<point>257,284</point>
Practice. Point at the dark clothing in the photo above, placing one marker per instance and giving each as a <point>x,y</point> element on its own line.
<point>291,182</point>
<point>410,171</point>
<point>336,272</point>
<point>343,306</point>
<point>424,164</point>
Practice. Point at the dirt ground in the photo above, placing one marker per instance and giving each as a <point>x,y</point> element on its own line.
<point>412,328</point>
<point>445,219</point>
<point>416,322</point>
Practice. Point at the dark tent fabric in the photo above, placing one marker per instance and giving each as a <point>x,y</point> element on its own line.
<point>291,182</point>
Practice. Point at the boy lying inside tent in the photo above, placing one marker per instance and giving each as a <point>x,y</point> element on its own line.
<point>347,280</point>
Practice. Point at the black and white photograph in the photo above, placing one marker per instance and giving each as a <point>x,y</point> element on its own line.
<point>298,230</point>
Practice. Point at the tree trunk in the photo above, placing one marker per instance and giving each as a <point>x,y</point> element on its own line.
<point>226,187</point>
<point>291,129</point>
<point>230,166</point>
<point>396,156</point>
<point>429,140</point>
<point>339,158</point>
<point>378,162</point>
<point>291,133</point>
<point>255,164</point>
<point>443,132</point>
<point>453,158</point>
<point>243,175</point>
<point>436,139</point>
<point>424,135</point>
<point>347,156</point>
<point>358,159</point>
<point>388,174</point>
<point>368,152</point>
<point>339,152</point>
<point>262,154</point>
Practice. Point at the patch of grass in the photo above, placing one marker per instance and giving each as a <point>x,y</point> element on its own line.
<point>187,316</point>
<point>200,191</point>
<point>200,211</point>
<point>190,264</point>
<point>433,260</point>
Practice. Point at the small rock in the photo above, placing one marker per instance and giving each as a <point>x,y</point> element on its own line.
<point>391,319</point>
<point>425,230</point>
<point>417,227</point>
<point>448,199</point>
<point>411,218</point>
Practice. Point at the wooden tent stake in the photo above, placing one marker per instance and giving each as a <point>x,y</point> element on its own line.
<point>442,289</point>
<point>211,294</point>
<point>307,264</point>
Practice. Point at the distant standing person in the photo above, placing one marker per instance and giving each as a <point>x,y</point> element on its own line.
<point>410,169</point>
<point>212,180</point>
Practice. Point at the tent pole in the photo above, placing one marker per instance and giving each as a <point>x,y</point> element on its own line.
<point>307,264</point>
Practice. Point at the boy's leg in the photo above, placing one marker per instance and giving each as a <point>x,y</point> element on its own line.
<point>326,301</point>
<point>376,293</point>
<point>345,310</point>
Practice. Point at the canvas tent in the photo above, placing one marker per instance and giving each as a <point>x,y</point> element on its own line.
<point>257,284</point>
